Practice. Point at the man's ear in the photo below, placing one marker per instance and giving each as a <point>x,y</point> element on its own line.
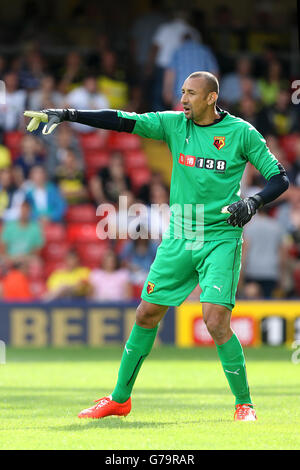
<point>212,97</point>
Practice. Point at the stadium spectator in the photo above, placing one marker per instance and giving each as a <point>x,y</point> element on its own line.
<point>44,197</point>
<point>158,211</point>
<point>166,40</point>
<point>264,253</point>
<point>11,196</point>
<point>102,43</point>
<point>3,65</point>
<point>72,73</point>
<point>294,170</point>
<point>1,135</point>
<point>251,291</point>
<point>232,87</point>
<point>31,69</point>
<point>227,30</point>
<point>120,221</point>
<point>113,81</point>
<point>15,285</point>
<point>70,179</point>
<point>5,157</point>
<point>137,256</point>
<point>188,57</point>
<point>281,118</point>
<point>23,237</point>
<point>111,181</point>
<point>142,33</point>
<point>69,282</point>
<point>248,110</point>
<point>110,282</point>
<point>65,138</point>
<point>287,214</point>
<point>18,176</point>
<point>11,113</point>
<point>86,96</point>
<point>31,154</point>
<point>45,96</point>
<point>145,189</point>
<point>248,87</point>
<point>277,149</point>
<point>272,82</point>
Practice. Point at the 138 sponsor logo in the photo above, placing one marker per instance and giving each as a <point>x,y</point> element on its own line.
<point>201,162</point>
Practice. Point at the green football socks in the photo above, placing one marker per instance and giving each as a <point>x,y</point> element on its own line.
<point>233,362</point>
<point>136,349</point>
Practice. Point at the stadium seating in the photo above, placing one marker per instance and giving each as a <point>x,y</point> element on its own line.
<point>137,290</point>
<point>135,159</point>
<point>288,145</point>
<point>95,160</point>
<point>36,270</point>
<point>93,140</point>
<point>53,265</point>
<point>81,213</point>
<point>123,141</point>
<point>38,288</point>
<point>55,251</point>
<point>297,280</point>
<point>82,232</point>
<point>140,177</point>
<point>91,254</point>
<point>54,232</point>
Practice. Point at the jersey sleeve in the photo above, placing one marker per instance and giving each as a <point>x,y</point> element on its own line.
<point>156,126</point>
<point>257,152</point>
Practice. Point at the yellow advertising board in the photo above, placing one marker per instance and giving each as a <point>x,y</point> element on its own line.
<point>269,322</point>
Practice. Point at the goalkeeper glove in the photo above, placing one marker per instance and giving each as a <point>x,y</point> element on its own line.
<point>243,210</point>
<point>52,117</point>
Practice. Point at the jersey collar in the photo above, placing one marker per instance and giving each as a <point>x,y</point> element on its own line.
<point>216,121</point>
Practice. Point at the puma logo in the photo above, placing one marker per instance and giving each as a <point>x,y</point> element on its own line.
<point>219,288</point>
<point>235,372</point>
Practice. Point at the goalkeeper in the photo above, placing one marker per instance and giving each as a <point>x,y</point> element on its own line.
<point>210,149</point>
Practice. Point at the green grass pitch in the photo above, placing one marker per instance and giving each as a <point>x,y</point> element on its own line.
<point>181,400</point>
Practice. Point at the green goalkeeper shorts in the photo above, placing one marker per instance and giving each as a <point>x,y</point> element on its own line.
<point>177,270</point>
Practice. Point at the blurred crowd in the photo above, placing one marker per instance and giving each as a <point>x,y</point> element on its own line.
<point>50,187</point>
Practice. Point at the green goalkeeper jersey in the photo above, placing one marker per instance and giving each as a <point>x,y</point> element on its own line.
<point>208,164</point>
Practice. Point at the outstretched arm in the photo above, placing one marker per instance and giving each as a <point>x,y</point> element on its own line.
<point>103,119</point>
<point>149,125</point>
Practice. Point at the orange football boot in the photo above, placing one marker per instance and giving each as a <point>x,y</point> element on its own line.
<point>106,407</point>
<point>244,412</point>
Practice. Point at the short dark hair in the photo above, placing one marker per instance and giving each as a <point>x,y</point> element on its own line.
<point>211,81</point>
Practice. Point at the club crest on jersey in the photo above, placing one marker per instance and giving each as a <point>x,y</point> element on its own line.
<point>219,142</point>
<point>150,287</point>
